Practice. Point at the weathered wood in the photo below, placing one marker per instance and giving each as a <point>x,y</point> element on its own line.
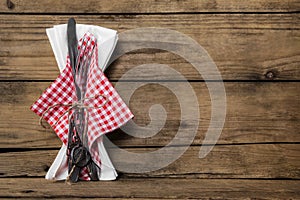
<point>224,161</point>
<point>256,113</point>
<point>154,188</point>
<point>257,155</point>
<point>148,6</point>
<point>244,47</point>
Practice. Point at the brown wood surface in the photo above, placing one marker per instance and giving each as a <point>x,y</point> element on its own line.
<point>148,6</point>
<point>225,161</point>
<point>244,47</point>
<point>266,111</point>
<point>154,188</point>
<point>255,45</point>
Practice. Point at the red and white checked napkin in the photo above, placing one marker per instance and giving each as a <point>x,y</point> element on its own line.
<point>107,118</point>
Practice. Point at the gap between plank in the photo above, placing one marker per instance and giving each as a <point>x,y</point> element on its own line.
<point>9,150</point>
<point>151,81</point>
<point>180,176</point>
<point>151,13</point>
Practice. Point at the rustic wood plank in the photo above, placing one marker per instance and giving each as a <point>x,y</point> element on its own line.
<point>244,47</point>
<point>154,188</point>
<point>256,113</point>
<point>224,161</point>
<point>149,6</point>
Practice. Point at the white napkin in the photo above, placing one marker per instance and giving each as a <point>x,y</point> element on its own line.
<point>106,40</point>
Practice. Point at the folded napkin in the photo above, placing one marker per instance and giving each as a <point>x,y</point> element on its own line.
<point>102,120</point>
<point>106,41</point>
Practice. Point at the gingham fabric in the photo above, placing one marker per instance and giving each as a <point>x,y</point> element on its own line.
<point>107,118</point>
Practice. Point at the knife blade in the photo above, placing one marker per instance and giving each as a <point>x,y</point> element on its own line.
<point>72,48</point>
<point>72,43</point>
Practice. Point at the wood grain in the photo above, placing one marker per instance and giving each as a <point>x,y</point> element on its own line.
<point>149,6</point>
<point>257,155</point>
<point>244,47</point>
<point>224,161</point>
<point>256,113</point>
<point>154,188</point>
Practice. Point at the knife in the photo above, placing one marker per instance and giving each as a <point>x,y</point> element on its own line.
<point>73,165</point>
<point>72,48</point>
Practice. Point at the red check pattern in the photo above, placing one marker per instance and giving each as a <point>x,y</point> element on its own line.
<point>107,118</point>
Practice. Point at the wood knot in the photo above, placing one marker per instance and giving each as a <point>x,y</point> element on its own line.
<point>46,168</point>
<point>27,191</point>
<point>10,5</point>
<point>270,75</point>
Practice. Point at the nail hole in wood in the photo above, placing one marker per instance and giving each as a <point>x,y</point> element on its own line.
<point>270,75</point>
<point>10,5</point>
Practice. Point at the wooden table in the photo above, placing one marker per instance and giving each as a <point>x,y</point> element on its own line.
<point>256,46</point>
